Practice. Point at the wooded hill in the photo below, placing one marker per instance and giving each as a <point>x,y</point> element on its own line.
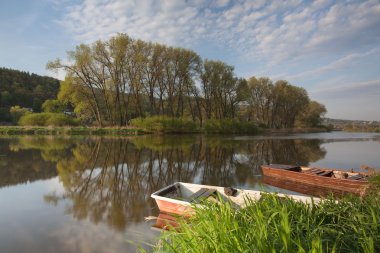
<point>24,89</point>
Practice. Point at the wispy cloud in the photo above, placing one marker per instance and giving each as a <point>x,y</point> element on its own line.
<point>335,65</point>
<point>353,89</point>
<point>272,32</point>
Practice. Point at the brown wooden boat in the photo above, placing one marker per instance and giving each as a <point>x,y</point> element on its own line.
<point>322,180</point>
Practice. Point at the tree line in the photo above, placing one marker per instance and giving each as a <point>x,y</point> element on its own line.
<point>111,82</point>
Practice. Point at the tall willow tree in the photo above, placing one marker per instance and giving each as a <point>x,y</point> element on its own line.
<point>219,89</point>
<point>277,105</point>
<point>121,78</point>
<point>288,102</point>
<point>260,99</point>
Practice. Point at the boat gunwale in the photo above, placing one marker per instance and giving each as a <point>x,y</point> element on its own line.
<point>302,197</point>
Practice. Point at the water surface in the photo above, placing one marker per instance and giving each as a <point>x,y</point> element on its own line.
<point>80,194</point>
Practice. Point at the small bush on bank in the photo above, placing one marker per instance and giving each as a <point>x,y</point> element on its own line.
<point>47,119</point>
<point>165,124</point>
<point>230,126</point>
<point>17,112</point>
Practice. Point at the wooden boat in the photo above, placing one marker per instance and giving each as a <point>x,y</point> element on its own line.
<point>333,180</point>
<point>304,188</point>
<point>179,198</point>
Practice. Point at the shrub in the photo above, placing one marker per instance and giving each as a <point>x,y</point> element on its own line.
<point>34,119</point>
<point>53,105</point>
<point>58,119</point>
<point>165,124</point>
<point>17,112</point>
<point>47,119</point>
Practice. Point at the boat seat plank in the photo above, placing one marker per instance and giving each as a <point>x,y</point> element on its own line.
<point>314,171</point>
<point>356,177</point>
<point>325,173</point>
<point>201,194</point>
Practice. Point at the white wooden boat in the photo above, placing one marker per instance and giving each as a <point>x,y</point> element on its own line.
<point>179,198</point>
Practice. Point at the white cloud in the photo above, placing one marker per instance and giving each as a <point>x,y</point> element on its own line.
<point>221,3</point>
<point>272,32</point>
<point>353,89</point>
<point>335,65</point>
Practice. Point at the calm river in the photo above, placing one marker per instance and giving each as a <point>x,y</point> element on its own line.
<point>76,194</point>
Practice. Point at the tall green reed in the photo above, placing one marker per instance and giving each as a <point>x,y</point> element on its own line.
<point>280,225</point>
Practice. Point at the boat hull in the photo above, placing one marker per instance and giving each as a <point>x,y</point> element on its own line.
<point>168,206</point>
<point>323,184</point>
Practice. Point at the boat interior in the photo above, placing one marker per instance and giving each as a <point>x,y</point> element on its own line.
<point>321,172</point>
<point>191,193</point>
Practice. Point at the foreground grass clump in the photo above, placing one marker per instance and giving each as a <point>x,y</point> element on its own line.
<point>280,225</point>
<point>165,124</point>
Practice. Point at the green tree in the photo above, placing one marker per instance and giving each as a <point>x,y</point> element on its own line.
<point>17,112</point>
<point>37,104</point>
<point>80,97</point>
<point>6,98</point>
<point>260,99</point>
<point>53,105</point>
<point>312,115</point>
<point>219,89</point>
<point>288,102</point>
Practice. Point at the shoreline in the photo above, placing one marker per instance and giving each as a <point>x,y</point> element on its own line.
<point>127,131</point>
<point>71,131</point>
<point>295,130</point>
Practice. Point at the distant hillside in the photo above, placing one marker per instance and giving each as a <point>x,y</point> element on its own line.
<point>344,124</point>
<point>24,89</point>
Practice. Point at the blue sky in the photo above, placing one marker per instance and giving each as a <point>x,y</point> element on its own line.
<point>331,48</point>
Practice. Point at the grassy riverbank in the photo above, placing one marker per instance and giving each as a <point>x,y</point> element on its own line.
<point>157,125</point>
<point>16,130</point>
<point>281,225</point>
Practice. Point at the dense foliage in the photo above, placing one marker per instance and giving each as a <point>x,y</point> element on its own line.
<point>111,82</point>
<point>165,124</point>
<point>281,225</point>
<point>280,104</point>
<point>25,90</point>
<point>47,119</point>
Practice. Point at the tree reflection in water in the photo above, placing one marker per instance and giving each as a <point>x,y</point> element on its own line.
<point>110,179</point>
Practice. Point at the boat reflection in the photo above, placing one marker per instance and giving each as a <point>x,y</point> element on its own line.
<point>165,221</point>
